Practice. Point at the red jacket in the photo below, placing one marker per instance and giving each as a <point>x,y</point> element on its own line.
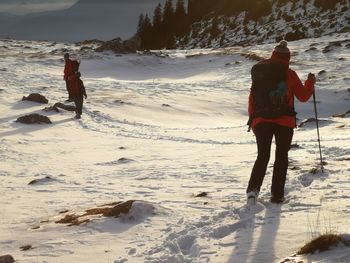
<point>68,69</point>
<point>295,88</point>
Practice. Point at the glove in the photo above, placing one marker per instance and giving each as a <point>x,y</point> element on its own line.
<point>311,78</point>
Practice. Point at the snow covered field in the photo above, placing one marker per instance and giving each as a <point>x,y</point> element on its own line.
<point>161,129</point>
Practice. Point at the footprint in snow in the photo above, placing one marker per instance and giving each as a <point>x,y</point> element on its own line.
<point>308,178</point>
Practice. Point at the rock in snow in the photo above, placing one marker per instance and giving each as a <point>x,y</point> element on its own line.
<point>60,105</point>
<point>34,119</point>
<point>6,259</point>
<point>36,97</point>
<point>42,180</point>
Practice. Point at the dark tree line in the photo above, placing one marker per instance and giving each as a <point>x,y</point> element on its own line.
<point>167,24</point>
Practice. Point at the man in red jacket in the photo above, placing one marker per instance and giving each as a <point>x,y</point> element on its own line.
<point>68,71</point>
<point>280,127</point>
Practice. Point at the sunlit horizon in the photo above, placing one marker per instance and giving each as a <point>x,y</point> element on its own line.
<point>29,7</point>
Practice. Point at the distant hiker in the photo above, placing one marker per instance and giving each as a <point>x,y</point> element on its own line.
<point>68,71</point>
<point>78,93</point>
<point>271,114</point>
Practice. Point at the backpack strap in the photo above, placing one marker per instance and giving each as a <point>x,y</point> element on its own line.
<point>249,123</point>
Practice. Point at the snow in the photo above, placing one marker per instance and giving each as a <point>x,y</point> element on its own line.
<point>303,18</point>
<point>160,128</point>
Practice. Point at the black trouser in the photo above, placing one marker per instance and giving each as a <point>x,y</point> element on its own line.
<point>264,133</point>
<point>78,105</point>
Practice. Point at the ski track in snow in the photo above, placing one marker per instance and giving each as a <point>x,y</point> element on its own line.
<point>159,130</point>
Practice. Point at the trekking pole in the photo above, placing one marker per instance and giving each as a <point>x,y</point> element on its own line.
<point>318,132</point>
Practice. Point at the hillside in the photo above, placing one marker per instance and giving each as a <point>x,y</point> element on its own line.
<point>291,20</point>
<point>224,23</point>
<point>87,19</point>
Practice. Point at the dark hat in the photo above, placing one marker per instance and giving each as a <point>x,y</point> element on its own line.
<point>282,47</point>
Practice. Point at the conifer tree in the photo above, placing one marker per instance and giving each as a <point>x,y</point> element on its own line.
<point>181,22</point>
<point>168,17</point>
<point>197,9</point>
<point>140,24</point>
<point>146,33</point>
<point>157,32</point>
<point>157,18</point>
<point>168,24</point>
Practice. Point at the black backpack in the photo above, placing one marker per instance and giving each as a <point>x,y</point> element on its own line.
<point>269,91</point>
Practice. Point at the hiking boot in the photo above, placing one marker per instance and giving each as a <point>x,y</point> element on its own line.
<point>77,116</point>
<point>277,200</point>
<point>252,198</point>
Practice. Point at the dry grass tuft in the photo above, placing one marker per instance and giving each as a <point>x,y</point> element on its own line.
<point>79,222</point>
<point>68,219</point>
<point>122,208</point>
<point>72,220</point>
<point>114,210</point>
<point>321,243</point>
<point>97,211</point>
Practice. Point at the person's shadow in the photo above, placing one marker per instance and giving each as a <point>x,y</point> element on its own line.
<point>244,238</point>
<point>265,246</point>
<point>255,247</point>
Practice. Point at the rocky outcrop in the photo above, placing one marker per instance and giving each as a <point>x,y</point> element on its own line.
<point>119,46</point>
<point>36,97</point>
<point>7,259</point>
<point>60,105</point>
<point>34,119</point>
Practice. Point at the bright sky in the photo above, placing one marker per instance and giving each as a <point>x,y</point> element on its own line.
<point>20,7</point>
